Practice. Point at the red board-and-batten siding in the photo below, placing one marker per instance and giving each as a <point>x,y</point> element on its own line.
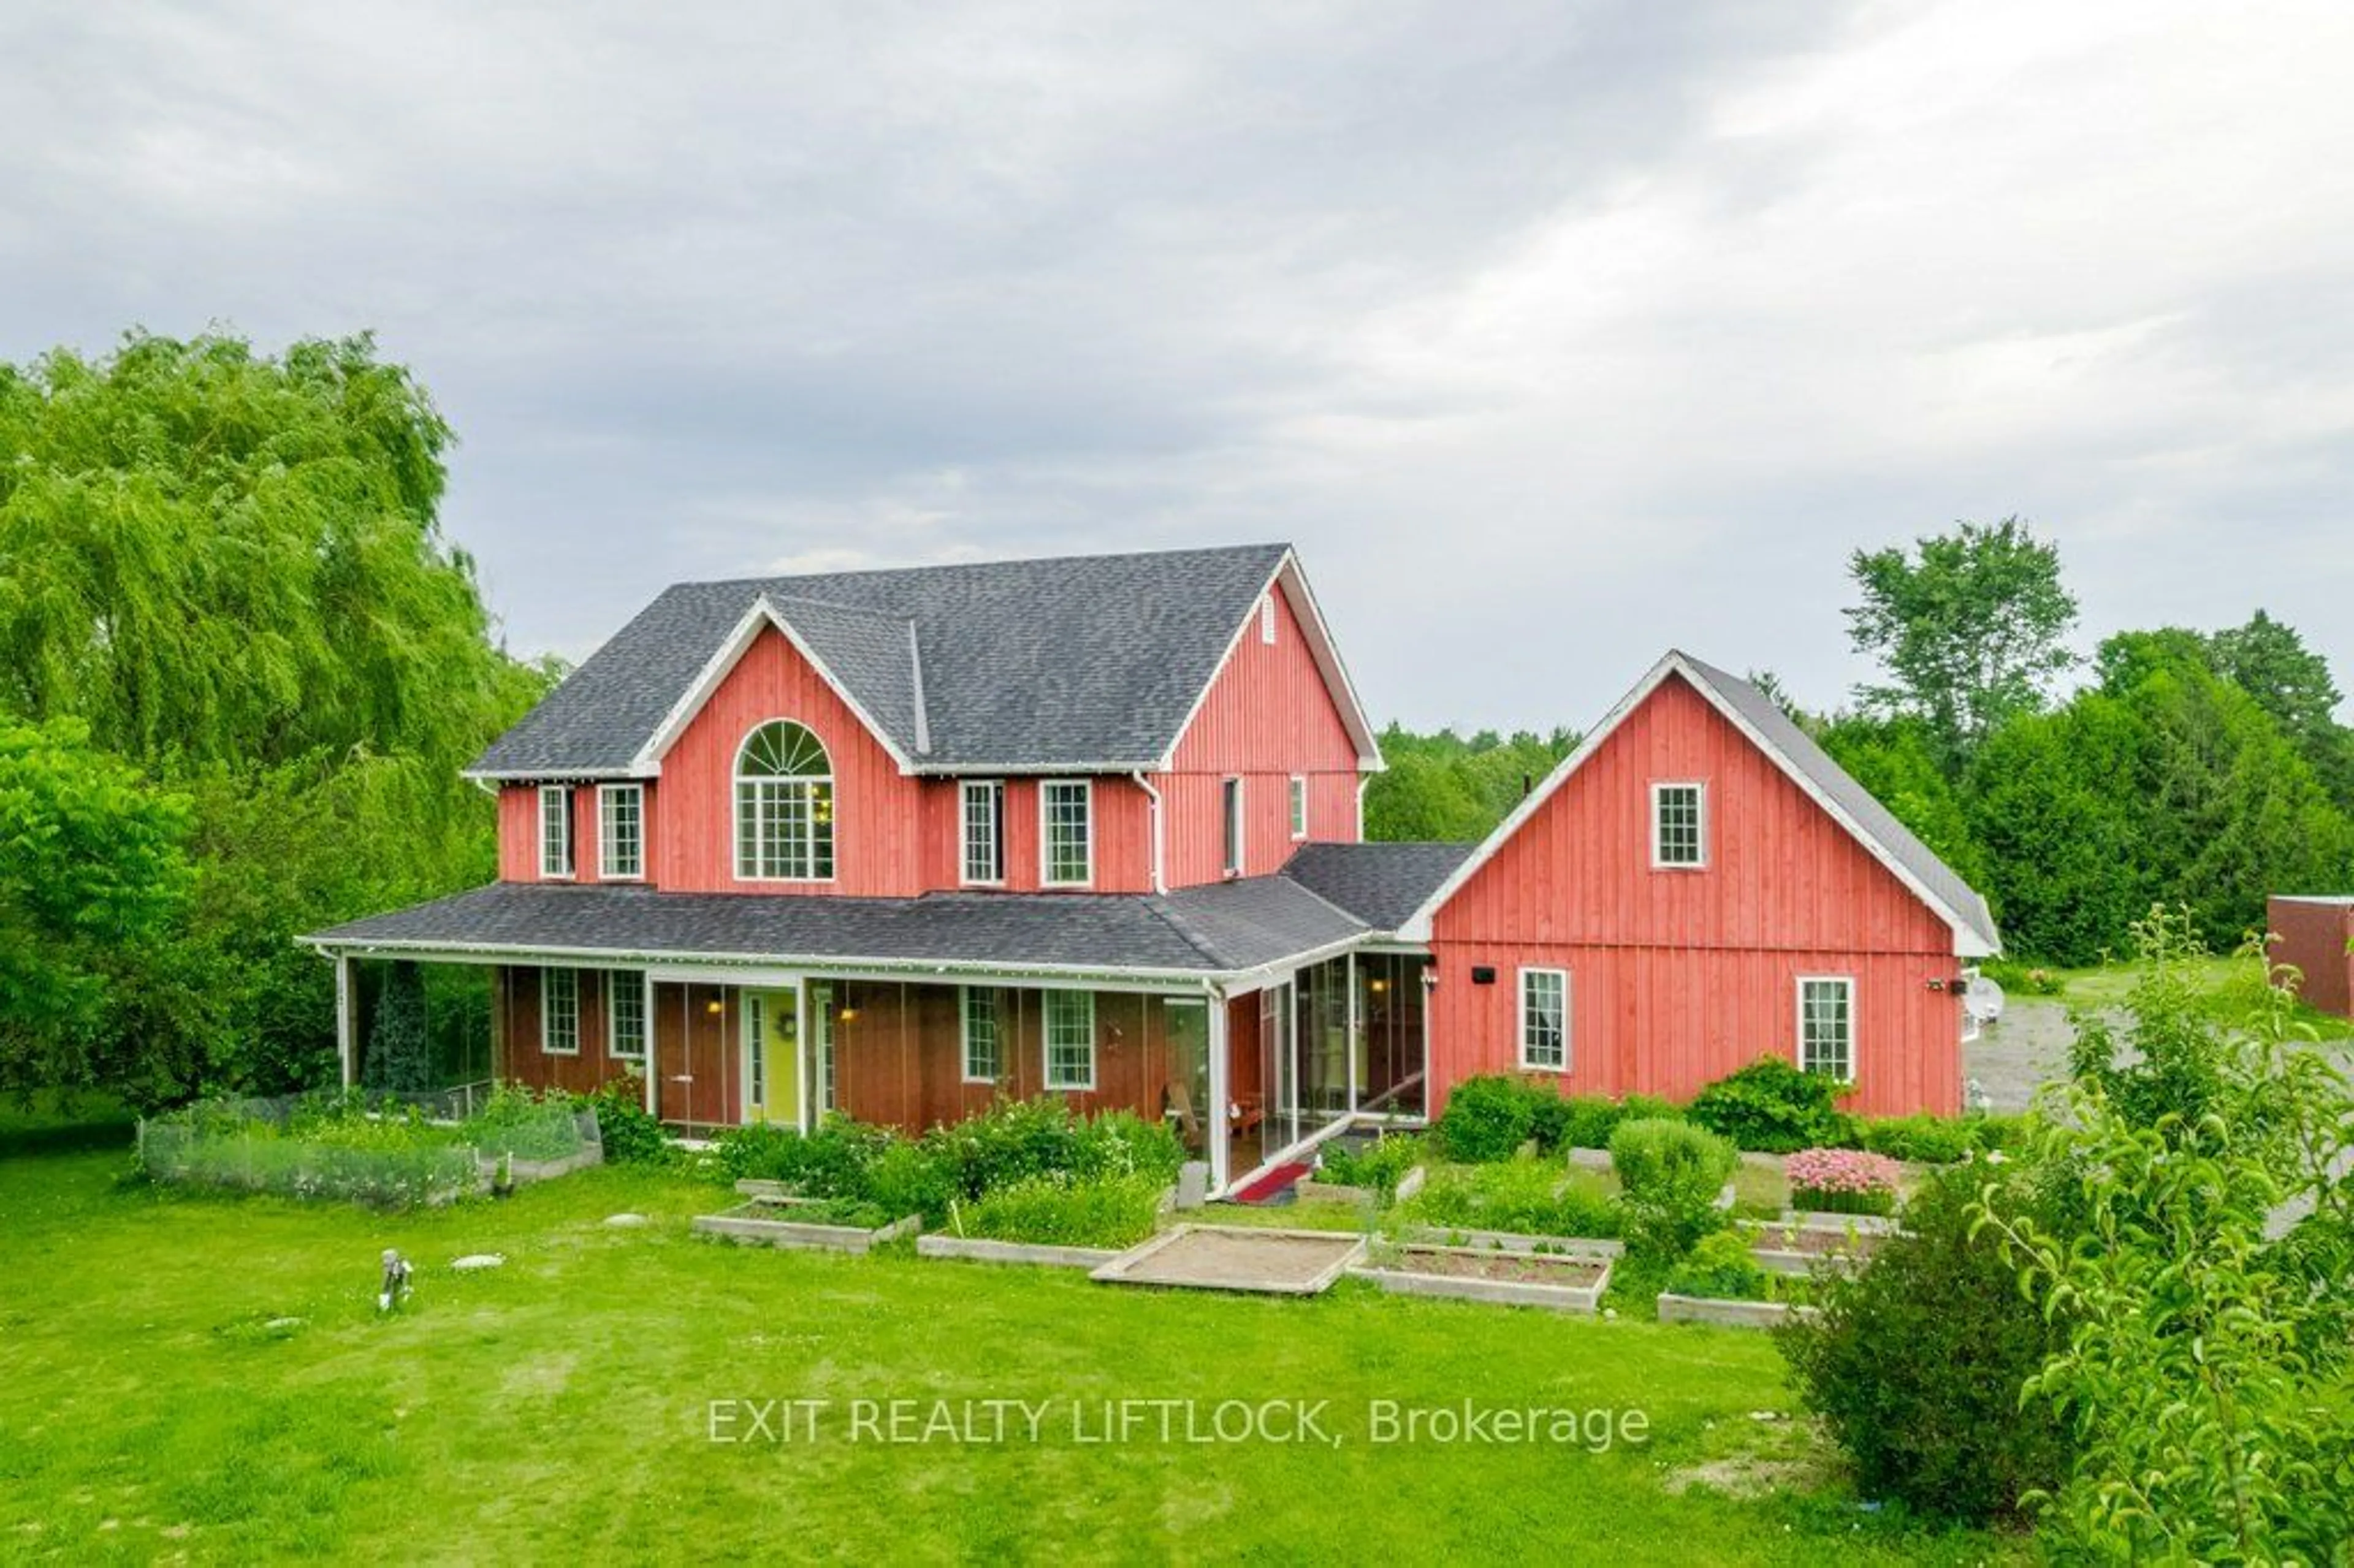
<point>1267,716</point>
<point>1678,977</point>
<point>2310,936</point>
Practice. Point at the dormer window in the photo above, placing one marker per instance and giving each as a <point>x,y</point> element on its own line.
<point>1678,826</point>
<point>621,831</point>
<point>784,806</point>
<point>555,832</point>
<point>1066,838</point>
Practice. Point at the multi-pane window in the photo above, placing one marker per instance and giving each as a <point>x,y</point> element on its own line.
<point>984,832</point>
<point>784,806</point>
<point>1544,1020</point>
<point>1299,807</point>
<point>556,830</point>
<point>560,1012</point>
<point>1070,1039</point>
<point>621,831</point>
<point>625,1014</point>
<point>1230,815</point>
<point>984,1059</point>
<point>1067,839</point>
<point>1826,1027</point>
<point>1679,824</point>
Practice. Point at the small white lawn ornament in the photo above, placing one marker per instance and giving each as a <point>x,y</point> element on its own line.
<point>395,1280</point>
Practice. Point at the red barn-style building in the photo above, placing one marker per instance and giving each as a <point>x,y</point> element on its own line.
<point>895,843</point>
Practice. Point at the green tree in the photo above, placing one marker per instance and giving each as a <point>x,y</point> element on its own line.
<point>1897,761</point>
<point>398,1057</point>
<point>92,871</point>
<point>229,567</point>
<point>1440,787</point>
<point>2050,805</point>
<point>1968,626</point>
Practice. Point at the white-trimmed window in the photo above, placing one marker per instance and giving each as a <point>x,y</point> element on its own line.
<point>555,831</point>
<point>1826,1026</point>
<point>1070,1039</point>
<point>1230,820</point>
<point>1066,835</point>
<point>984,1049</point>
<point>1299,807</point>
<point>1679,824</point>
<point>984,832</point>
<point>1267,618</point>
<point>625,1015</point>
<point>560,1012</point>
<point>1544,1021</point>
<point>784,806</point>
<point>621,831</point>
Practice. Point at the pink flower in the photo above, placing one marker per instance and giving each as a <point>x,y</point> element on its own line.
<point>1841,1171</point>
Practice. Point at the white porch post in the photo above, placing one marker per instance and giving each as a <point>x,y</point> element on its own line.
<point>346,1046</point>
<point>1221,1124</point>
<point>654,1097</point>
<point>1355,1040</point>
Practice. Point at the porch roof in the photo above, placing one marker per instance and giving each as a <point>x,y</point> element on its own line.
<point>1207,932</point>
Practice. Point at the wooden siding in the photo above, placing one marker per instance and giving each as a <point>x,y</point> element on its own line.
<point>1123,836</point>
<point>1267,716</point>
<point>519,832</point>
<point>1680,976</point>
<point>877,808</point>
<point>517,1057</point>
<point>2312,938</point>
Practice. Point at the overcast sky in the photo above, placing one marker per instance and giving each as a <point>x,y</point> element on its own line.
<point>1553,335</point>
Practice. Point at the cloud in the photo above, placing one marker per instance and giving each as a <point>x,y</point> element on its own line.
<point>1553,335</point>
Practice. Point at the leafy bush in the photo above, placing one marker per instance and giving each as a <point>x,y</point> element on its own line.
<point>1122,1143</point>
<point>830,1162</point>
<point>1669,1173</point>
<point>1920,1140</point>
<point>1588,1120</point>
<point>1720,1266</point>
<point>1917,1366</point>
<point>2025,979</point>
<point>1842,1182</point>
<point>911,1179</point>
<point>1527,1197</point>
<point>1057,1210</point>
<point>1988,1133</point>
<point>631,1137</point>
<point>1379,1165</point>
<point>1488,1118</point>
<point>332,1146</point>
<point>514,1120</point>
<point>1771,1105</point>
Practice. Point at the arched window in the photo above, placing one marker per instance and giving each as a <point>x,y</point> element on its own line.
<point>784,806</point>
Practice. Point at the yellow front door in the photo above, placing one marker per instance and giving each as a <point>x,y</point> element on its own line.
<point>772,1057</point>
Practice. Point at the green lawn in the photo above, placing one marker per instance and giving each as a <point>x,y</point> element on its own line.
<point>560,1407</point>
<point>2107,985</point>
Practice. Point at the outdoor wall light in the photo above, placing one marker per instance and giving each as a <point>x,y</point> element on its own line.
<point>847,1014</point>
<point>1377,987</point>
<point>715,1006</point>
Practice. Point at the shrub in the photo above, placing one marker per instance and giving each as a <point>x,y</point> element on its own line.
<point>514,1120</point>
<point>2022,978</point>
<point>1488,1118</point>
<point>1771,1105</point>
<point>830,1162</point>
<point>1379,1165</point>
<point>1012,1141</point>
<point>1990,1132</point>
<point>1587,1121</point>
<point>1916,1365</point>
<point>1669,1173</point>
<point>1842,1182</point>
<point>1122,1143</point>
<point>907,1178</point>
<point>631,1137</point>
<point>1919,1139</point>
<point>1720,1266</point>
<point>1057,1210</point>
<point>1527,1197</point>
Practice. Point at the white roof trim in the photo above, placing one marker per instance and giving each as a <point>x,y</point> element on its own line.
<point>647,764</point>
<point>1967,943</point>
<point>1289,576</point>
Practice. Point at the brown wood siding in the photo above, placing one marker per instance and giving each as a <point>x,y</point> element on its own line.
<point>515,994</point>
<point>2311,937</point>
<point>1680,976</point>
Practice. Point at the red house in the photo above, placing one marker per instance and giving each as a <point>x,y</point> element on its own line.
<point>894,844</point>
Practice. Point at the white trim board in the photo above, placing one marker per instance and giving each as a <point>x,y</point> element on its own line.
<point>1967,943</point>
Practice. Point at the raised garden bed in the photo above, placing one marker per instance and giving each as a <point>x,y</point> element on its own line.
<point>983,1249</point>
<point>1674,1309</point>
<point>1799,1249</point>
<point>1212,1257</point>
<point>768,1221</point>
<point>1826,1220</point>
<point>1512,1278</point>
<point>1512,1241</point>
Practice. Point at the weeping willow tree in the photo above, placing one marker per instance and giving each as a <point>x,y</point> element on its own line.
<point>228,566</point>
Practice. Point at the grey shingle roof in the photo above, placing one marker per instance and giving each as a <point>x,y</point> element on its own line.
<point>1089,660</point>
<point>1223,929</point>
<point>1764,714</point>
<point>1380,884</point>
